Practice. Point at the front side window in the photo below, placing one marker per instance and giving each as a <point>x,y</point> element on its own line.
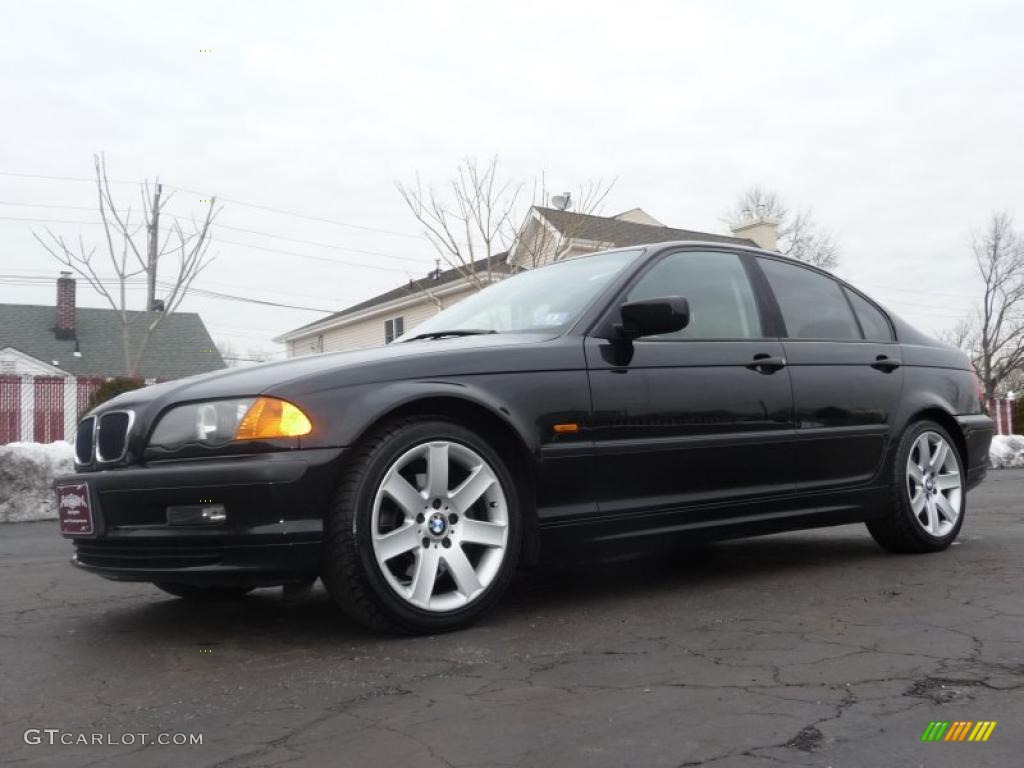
<point>393,328</point>
<point>813,306</point>
<point>722,303</point>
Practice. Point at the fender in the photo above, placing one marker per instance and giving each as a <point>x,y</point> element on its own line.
<point>348,412</point>
<point>949,391</point>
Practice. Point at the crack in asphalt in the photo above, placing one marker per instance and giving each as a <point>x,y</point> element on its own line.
<point>331,711</point>
<point>784,650</point>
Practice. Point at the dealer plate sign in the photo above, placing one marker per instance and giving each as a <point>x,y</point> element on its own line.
<point>74,509</point>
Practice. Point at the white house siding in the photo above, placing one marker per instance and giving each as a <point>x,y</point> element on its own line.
<point>538,244</point>
<point>369,330</point>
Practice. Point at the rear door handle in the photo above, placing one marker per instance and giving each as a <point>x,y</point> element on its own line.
<point>766,364</point>
<point>886,364</point>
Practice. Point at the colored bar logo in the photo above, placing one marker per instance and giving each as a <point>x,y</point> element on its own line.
<point>959,730</point>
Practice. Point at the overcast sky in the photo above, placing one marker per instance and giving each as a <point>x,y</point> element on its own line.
<point>899,124</point>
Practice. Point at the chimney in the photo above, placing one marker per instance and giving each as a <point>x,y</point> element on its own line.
<point>65,328</point>
<point>763,230</point>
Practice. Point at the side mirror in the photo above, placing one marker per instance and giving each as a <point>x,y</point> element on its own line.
<point>651,317</point>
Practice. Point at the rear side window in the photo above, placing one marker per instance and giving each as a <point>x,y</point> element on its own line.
<point>813,306</point>
<point>722,303</point>
<point>873,322</point>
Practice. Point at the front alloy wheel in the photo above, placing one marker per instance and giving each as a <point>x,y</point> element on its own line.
<point>439,525</point>
<point>425,529</point>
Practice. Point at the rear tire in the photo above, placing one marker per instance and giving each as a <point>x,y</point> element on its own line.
<point>928,493</point>
<point>424,530</point>
<point>203,594</point>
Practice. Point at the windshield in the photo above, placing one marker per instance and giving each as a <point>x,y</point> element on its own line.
<point>546,299</point>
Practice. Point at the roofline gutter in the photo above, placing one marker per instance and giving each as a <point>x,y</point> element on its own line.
<point>380,309</point>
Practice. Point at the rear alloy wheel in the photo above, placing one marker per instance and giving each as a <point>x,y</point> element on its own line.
<point>424,534</point>
<point>928,504</point>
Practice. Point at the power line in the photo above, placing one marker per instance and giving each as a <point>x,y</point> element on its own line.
<point>314,258</point>
<point>911,290</point>
<point>271,209</point>
<point>257,247</point>
<point>46,205</point>
<point>50,221</point>
<point>179,217</point>
<point>378,230</point>
<point>321,245</point>
<point>250,300</point>
<point>45,278</point>
<point>27,280</point>
<point>62,178</point>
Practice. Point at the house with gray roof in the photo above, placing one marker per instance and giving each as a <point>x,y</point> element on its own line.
<point>547,235</point>
<point>385,317</point>
<point>53,357</point>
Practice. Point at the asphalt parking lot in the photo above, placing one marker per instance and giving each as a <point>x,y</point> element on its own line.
<point>813,648</point>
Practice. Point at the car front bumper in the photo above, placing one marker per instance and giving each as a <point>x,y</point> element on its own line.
<point>275,504</point>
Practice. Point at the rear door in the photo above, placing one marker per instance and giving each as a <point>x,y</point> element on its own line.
<point>846,375</point>
<point>700,416</point>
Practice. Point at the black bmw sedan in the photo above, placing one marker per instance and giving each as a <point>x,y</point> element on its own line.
<point>670,392</point>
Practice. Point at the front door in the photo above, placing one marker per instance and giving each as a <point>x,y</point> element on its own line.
<point>697,417</point>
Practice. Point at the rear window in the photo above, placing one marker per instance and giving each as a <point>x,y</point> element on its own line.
<point>872,321</point>
<point>813,306</point>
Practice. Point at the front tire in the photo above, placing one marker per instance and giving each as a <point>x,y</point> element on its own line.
<point>424,531</point>
<point>928,493</point>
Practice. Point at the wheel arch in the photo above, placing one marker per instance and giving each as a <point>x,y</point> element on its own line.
<point>496,428</point>
<point>947,421</point>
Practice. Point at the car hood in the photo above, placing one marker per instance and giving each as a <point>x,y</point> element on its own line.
<point>294,376</point>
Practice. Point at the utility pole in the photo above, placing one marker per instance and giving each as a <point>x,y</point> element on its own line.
<point>153,225</point>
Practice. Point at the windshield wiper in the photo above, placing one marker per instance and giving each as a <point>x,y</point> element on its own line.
<point>459,332</point>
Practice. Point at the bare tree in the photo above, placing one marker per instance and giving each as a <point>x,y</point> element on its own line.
<point>548,244</point>
<point>234,357</point>
<point>476,215</point>
<point>465,222</point>
<point>995,334</point>
<point>962,335</point>
<point>130,259</point>
<point>799,235</point>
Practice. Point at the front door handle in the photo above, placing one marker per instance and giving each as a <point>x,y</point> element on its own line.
<point>766,364</point>
<point>886,364</point>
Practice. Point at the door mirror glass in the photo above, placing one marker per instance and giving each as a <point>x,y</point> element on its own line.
<point>651,317</point>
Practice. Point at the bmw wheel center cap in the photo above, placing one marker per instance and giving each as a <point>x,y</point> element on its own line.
<point>437,524</point>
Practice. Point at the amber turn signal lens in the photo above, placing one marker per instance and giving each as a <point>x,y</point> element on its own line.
<point>269,417</point>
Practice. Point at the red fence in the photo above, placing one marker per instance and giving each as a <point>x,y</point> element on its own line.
<point>85,388</point>
<point>1002,412</point>
<point>42,409</point>
<point>48,410</point>
<point>10,409</point>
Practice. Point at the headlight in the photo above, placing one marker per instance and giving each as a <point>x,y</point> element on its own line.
<point>219,422</point>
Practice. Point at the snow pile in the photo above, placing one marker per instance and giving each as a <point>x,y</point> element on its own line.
<point>27,471</point>
<point>1006,451</point>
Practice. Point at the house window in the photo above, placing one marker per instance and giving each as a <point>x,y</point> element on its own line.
<point>393,328</point>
